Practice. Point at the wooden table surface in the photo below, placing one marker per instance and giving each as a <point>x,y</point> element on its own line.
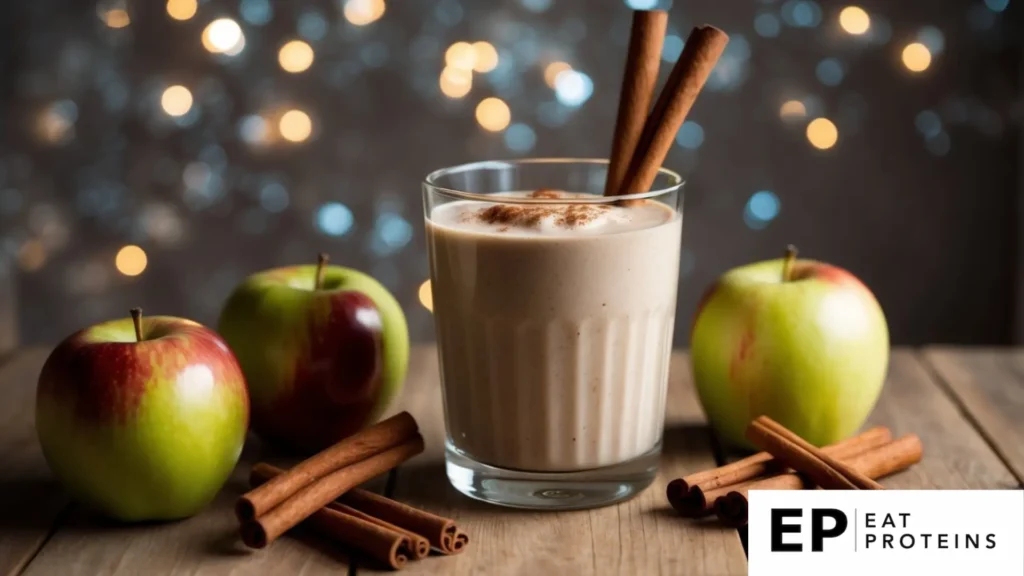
<point>967,405</point>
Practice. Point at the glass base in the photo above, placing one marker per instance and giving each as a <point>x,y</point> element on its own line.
<point>551,490</point>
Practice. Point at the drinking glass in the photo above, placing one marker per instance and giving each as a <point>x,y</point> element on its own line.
<point>554,348</point>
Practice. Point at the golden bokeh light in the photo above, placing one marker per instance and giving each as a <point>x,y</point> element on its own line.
<point>32,255</point>
<point>176,100</point>
<point>455,82</point>
<point>116,18</point>
<point>792,109</point>
<point>485,57</point>
<point>917,57</point>
<point>822,133</point>
<point>854,20</point>
<point>182,9</point>
<point>295,56</point>
<point>54,127</point>
<point>223,36</point>
<point>427,296</point>
<point>493,114</point>
<point>131,260</point>
<point>295,126</point>
<point>551,72</point>
<point>363,12</point>
<point>460,55</point>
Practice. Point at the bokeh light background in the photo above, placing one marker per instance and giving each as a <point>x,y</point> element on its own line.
<point>154,153</point>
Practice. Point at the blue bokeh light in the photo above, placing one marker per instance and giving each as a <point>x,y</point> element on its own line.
<point>732,68</point>
<point>932,38</point>
<point>67,110</point>
<point>391,234</point>
<point>448,12</point>
<point>312,26</point>
<point>829,72</point>
<point>536,5</point>
<point>520,138</point>
<point>690,135</point>
<point>997,5</point>
<point>642,4</point>
<point>273,197</point>
<point>256,12</point>
<point>801,13</point>
<point>928,123</point>
<point>252,129</point>
<point>573,88</point>
<point>763,206</point>
<point>334,219</point>
<point>671,48</point>
<point>767,25</point>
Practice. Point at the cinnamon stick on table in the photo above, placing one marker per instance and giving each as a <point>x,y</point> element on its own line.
<point>442,532</point>
<point>893,457</point>
<point>363,444</point>
<point>419,546</point>
<point>701,52</point>
<point>642,63</point>
<point>802,456</point>
<point>387,546</point>
<point>264,529</point>
<point>695,495</point>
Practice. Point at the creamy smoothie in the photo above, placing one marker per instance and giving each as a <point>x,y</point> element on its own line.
<point>554,324</point>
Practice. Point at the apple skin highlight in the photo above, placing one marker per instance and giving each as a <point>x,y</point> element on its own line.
<point>811,353</point>
<point>142,430</point>
<point>320,364</point>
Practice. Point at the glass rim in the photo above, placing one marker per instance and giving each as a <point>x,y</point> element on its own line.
<point>430,182</point>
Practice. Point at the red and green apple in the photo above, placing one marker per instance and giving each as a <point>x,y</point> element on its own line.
<point>142,420</point>
<point>803,342</point>
<point>324,350</point>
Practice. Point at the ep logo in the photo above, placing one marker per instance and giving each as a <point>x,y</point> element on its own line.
<point>788,528</point>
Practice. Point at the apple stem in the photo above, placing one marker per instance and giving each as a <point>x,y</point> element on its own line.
<point>137,320</point>
<point>787,263</point>
<point>321,265</point>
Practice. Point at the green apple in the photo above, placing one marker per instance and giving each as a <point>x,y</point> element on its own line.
<point>800,341</point>
<point>143,420</point>
<point>324,350</point>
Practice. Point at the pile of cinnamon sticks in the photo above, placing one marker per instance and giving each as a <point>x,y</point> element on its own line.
<point>791,463</point>
<point>323,490</point>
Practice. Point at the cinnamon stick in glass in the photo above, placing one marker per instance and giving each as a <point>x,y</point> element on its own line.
<point>639,79</point>
<point>695,495</point>
<point>419,546</point>
<point>267,527</point>
<point>701,52</point>
<point>361,445</point>
<point>802,456</point>
<point>893,457</point>
<point>442,532</point>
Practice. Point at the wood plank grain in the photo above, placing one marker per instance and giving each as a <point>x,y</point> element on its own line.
<point>208,543</point>
<point>641,536</point>
<point>989,385</point>
<point>955,454</point>
<point>30,499</point>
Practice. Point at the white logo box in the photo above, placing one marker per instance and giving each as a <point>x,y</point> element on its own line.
<point>904,532</point>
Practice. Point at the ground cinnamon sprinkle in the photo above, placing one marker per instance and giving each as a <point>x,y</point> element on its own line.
<point>565,215</point>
